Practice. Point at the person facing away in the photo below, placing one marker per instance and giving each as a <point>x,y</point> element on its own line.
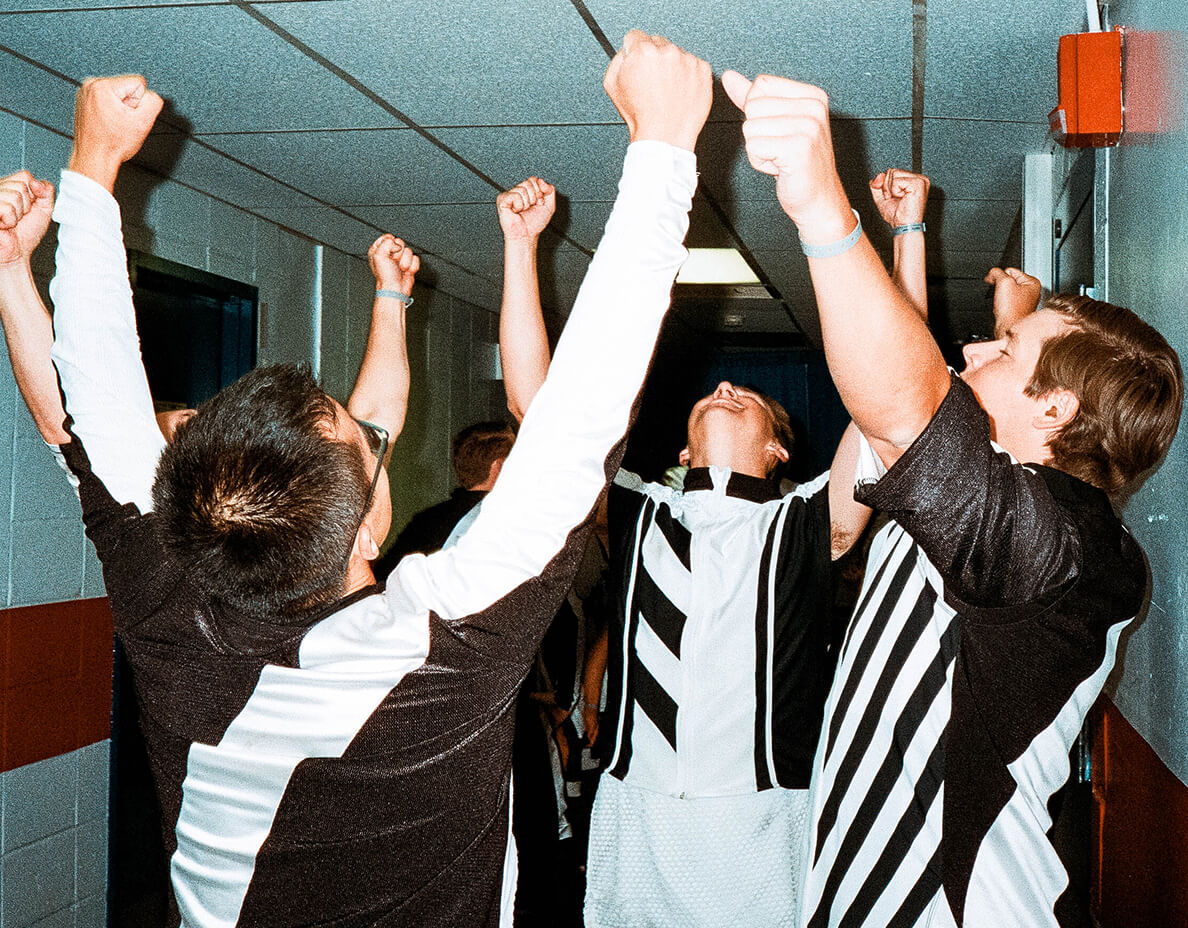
<point>994,599</point>
<point>326,750</point>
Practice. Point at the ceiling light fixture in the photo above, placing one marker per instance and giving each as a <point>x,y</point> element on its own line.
<point>716,266</point>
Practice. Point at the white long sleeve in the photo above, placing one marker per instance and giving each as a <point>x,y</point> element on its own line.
<point>96,348</point>
<point>556,470</point>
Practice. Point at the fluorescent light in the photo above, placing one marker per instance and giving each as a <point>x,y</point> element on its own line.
<point>716,266</point>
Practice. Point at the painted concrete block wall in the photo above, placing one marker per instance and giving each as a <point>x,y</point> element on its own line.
<point>1148,261</point>
<point>54,841</point>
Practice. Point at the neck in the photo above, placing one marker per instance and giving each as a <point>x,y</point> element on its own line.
<point>739,462</point>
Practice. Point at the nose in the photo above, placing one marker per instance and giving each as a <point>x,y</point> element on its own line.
<point>975,353</point>
<point>725,388</point>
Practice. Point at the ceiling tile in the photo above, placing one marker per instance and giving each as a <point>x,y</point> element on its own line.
<point>979,160</point>
<point>36,94</point>
<point>995,60</point>
<point>971,225</point>
<point>220,69</point>
<point>583,161</point>
<point>361,167</point>
<point>196,164</point>
<point>861,54</point>
<point>457,62</point>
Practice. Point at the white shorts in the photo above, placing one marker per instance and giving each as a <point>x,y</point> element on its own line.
<point>656,860</point>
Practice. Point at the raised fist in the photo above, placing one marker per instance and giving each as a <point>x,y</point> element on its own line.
<point>900,196</point>
<point>393,264</point>
<point>661,91</point>
<point>1015,295</point>
<point>112,118</point>
<point>25,207</point>
<point>787,135</point>
<point>526,209</point>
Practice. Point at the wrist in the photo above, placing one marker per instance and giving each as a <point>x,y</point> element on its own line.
<point>524,243</point>
<point>101,168</point>
<point>674,137</point>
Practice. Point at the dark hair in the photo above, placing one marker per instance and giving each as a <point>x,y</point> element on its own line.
<point>259,499</point>
<point>479,446</point>
<point>1129,385</point>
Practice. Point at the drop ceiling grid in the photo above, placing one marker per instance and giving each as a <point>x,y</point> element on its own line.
<point>221,70</point>
<point>859,51</point>
<point>458,62</point>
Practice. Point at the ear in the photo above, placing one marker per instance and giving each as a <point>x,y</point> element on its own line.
<point>684,457</point>
<point>776,448</point>
<point>365,544</point>
<point>1057,409</point>
<point>496,469</point>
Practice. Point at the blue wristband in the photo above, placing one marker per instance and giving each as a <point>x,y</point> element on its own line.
<point>833,249</point>
<point>395,295</point>
<point>909,227</point>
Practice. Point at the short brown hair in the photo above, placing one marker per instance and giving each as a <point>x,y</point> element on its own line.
<point>1129,385</point>
<point>479,446</point>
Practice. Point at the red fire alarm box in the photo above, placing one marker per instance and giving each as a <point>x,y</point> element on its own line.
<point>1089,114</point>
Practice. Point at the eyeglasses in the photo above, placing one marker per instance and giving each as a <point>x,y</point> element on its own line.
<point>377,441</point>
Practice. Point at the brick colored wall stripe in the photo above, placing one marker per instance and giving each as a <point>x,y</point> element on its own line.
<point>1140,829</point>
<point>55,679</point>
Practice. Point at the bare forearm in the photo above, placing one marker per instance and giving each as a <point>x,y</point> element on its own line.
<point>595,669</point>
<point>886,366</point>
<point>29,333</point>
<point>909,273</point>
<point>523,342</point>
<point>381,390</point>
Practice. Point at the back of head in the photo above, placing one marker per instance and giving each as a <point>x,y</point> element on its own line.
<point>479,446</point>
<point>1130,389</point>
<point>259,499</point>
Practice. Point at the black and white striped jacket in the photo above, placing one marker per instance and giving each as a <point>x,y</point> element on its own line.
<point>720,660</point>
<point>986,627</point>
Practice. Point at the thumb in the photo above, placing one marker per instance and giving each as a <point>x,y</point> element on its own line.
<point>737,87</point>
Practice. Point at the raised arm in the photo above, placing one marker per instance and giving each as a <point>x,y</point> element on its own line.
<point>381,389</point>
<point>25,208</point>
<point>891,397</point>
<point>901,197</point>
<point>572,435</point>
<point>1015,295</point>
<point>96,349</point>
<point>524,212</point>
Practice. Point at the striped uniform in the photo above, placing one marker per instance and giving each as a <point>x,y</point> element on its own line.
<point>717,679</point>
<point>987,624</point>
<point>352,768</point>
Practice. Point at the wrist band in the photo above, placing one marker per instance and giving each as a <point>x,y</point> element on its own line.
<point>909,227</point>
<point>395,295</point>
<point>833,249</point>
